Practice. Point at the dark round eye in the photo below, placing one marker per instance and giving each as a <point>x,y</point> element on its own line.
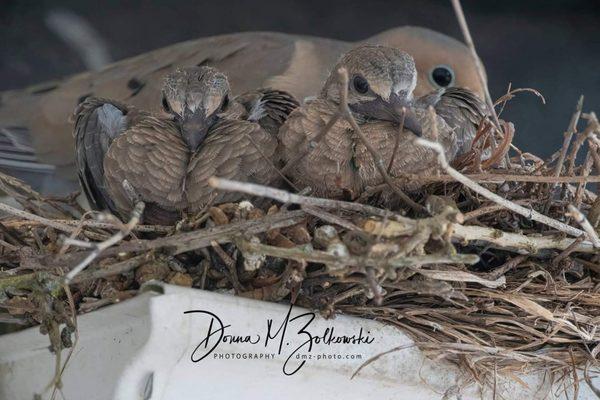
<point>225,102</point>
<point>360,84</point>
<point>165,104</point>
<point>442,76</point>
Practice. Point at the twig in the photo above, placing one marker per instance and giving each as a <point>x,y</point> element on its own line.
<point>528,213</point>
<point>322,257</point>
<point>568,135</point>
<point>32,217</point>
<point>115,269</point>
<point>585,225</point>
<point>487,178</point>
<point>568,251</point>
<point>462,21</point>
<point>499,178</point>
<point>303,153</point>
<point>187,241</point>
<point>501,151</point>
<point>287,197</point>
<point>271,163</point>
<point>397,140</point>
<point>330,218</point>
<point>587,168</point>
<point>378,356</point>
<point>594,150</point>
<point>374,286</point>
<point>510,93</point>
<point>528,244</point>
<point>588,380</point>
<point>579,140</point>
<point>114,239</point>
<point>507,266</point>
<point>488,210</point>
<point>88,223</point>
<point>230,265</point>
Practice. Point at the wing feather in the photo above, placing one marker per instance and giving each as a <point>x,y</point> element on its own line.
<point>97,123</point>
<point>238,150</point>
<point>152,158</point>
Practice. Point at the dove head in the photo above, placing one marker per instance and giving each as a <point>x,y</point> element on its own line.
<point>195,96</point>
<point>381,81</point>
<point>441,61</point>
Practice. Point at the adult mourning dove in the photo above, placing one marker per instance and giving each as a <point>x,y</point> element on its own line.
<point>380,95</point>
<point>125,155</point>
<point>35,140</point>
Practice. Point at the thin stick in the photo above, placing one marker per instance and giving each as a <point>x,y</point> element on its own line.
<point>378,356</point>
<point>343,76</point>
<point>271,163</point>
<point>114,239</point>
<point>287,197</point>
<point>579,140</point>
<point>88,223</point>
<point>312,144</point>
<point>114,269</point>
<point>568,135</point>
<point>32,217</point>
<point>331,218</point>
<point>499,178</point>
<point>185,241</point>
<point>585,225</point>
<point>322,257</point>
<point>517,242</point>
<point>397,140</point>
<point>528,213</point>
<point>462,21</point>
<point>488,210</point>
<point>594,148</point>
<point>587,168</point>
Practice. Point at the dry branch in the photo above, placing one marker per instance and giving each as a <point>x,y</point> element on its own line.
<point>523,244</point>
<point>316,256</point>
<point>100,247</point>
<point>528,213</point>
<point>287,197</point>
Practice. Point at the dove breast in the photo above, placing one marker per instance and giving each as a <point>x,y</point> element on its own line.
<point>238,150</point>
<point>326,166</point>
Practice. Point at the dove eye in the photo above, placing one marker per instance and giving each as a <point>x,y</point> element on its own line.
<point>442,76</point>
<point>360,84</point>
<point>225,102</point>
<point>165,105</point>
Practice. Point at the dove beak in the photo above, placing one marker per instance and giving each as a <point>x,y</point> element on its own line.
<point>194,128</point>
<point>403,109</point>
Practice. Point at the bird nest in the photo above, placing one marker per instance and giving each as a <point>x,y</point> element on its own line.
<point>496,268</point>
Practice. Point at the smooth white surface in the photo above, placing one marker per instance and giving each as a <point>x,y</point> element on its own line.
<point>144,345</point>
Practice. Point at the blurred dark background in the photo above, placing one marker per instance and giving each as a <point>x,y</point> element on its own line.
<point>552,45</point>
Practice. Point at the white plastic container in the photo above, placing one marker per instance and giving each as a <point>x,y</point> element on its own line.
<point>142,349</point>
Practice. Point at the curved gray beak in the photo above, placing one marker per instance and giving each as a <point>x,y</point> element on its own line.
<point>403,109</point>
<point>194,128</point>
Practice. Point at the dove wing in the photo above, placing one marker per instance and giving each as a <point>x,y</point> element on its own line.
<point>147,162</point>
<point>237,150</point>
<point>268,107</point>
<point>97,123</point>
<point>463,111</point>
